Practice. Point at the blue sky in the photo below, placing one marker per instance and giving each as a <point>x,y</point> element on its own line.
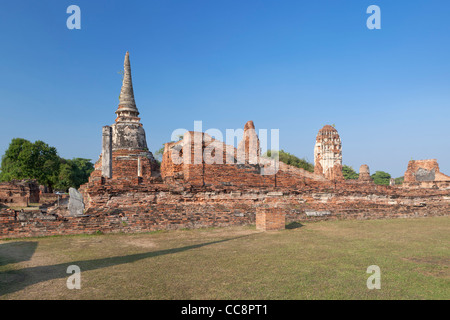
<point>288,65</point>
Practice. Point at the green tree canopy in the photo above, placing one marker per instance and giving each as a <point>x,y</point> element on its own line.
<point>10,166</point>
<point>381,177</point>
<point>292,160</point>
<point>26,160</point>
<point>73,173</point>
<point>159,154</point>
<point>349,173</point>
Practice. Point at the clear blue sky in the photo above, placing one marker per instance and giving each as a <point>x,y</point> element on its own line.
<point>288,64</point>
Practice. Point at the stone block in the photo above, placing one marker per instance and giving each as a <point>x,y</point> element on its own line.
<point>76,205</point>
<point>270,219</point>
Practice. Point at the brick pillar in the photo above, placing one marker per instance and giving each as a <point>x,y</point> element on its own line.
<point>107,152</point>
<point>139,167</point>
<point>268,219</point>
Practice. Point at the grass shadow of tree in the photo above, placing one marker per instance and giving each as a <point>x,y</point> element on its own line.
<point>13,281</point>
<point>15,252</point>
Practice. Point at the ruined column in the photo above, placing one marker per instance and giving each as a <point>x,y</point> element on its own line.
<point>107,152</point>
<point>248,150</point>
<point>364,173</point>
<point>139,167</point>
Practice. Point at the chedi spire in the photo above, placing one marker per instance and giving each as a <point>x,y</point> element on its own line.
<point>328,154</point>
<point>128,132</point>
<point>127,111</point>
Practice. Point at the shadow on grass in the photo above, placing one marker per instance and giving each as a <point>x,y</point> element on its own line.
<point>15,252</point>
<point>12,281</point>
<point>294,225</point>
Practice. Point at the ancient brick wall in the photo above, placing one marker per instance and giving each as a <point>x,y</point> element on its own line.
<point>127,164</point>
<point>225,169</point>
<point>169,167</point>
<point>19,193</point>
<point>126,206</point>
<point>342,200</point>
<point>51,198</point>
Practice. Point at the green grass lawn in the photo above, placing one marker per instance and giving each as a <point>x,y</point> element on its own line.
<point>322,260</point>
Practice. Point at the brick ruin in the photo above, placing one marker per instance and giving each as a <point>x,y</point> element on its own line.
<point>19,193</point>
<point>328,154</point>
<point>270,219</point>
<point>204,182</point>
<point>425,174</point>
<point>125,154</point>
<point>199,160</point>
<point>364,173</point>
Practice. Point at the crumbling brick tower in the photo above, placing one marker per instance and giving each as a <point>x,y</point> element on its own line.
<point>124,146</point>
<point>425,174</point>
<point>364,174</point>
<point>328,154</point>
<point>249,150</point>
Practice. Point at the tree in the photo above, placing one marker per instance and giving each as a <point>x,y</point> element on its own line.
<point>381,178</point>
<point>349,173</point>
<point>159,154</point>
<point>292,160</point>
<point>10,166</point>
<point>45,165</point>
<point>26,160</point>
<point>73,173</point>
<point>66,176</point>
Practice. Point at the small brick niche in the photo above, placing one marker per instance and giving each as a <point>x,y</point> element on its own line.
<point>268,219</point>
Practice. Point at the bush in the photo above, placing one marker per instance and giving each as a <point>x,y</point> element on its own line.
<point>349,173</point>
<point>381,178</point>
<point>292,160</point>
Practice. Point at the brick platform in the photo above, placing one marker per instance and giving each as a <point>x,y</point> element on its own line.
<point>268,219</point>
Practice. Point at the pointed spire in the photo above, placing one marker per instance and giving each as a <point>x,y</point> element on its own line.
<point>249,125</point>
<point>127,94</point>
<point>127,106</point>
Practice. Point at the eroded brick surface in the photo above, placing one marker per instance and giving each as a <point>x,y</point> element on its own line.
<point>125,206</point>
<point>425,174</point>
<point>19,193</point>
<point>270,219</point>
<point>328,154</point>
